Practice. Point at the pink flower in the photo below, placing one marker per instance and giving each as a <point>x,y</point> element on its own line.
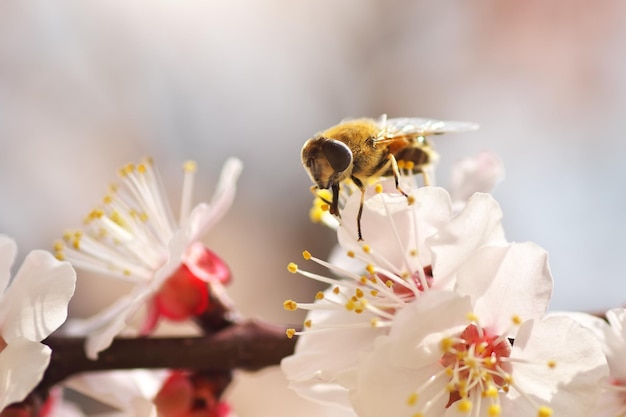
<point>442,359</point>
<point>134,237</point>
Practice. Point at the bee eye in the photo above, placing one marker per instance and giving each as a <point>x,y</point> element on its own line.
<point>338,154</point>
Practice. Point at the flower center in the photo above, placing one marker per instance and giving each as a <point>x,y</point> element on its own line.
<point>475,362</point>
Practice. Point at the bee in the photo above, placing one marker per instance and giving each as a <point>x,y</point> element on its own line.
<point>361,149</point>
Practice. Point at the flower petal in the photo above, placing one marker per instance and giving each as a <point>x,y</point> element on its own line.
<point>35,303</point>
<point>478,174</point>
<point>507,281</point>
<point>571,386</point>
<point>8,250</point>
<point>477,225</point>
<point>22,365</point>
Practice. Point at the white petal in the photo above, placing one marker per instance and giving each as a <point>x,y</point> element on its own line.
<point>419,327</point>
<point>8,250</point>
<point>478,174</point>
<point>130,391</point>
<point>35,303</point>
<point>22,365</point>
<point>571,387</point>
<point>222,199</point>
<point>391,227</point>
<point>504,281</point>
<point>102,328</point>
<point>477,225</point>
<point>383,389</point>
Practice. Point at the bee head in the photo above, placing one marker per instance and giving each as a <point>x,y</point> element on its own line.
<point>326,160</point>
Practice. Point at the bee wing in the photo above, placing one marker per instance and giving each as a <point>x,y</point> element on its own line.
<point>411,126</point>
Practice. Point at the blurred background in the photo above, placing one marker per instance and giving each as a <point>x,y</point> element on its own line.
<point>86,87</point>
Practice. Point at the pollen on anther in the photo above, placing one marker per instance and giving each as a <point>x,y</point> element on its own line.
<point>189,166</point>
<point>410,199</point>
<point>325,207</point>
<point>409,165</point>
<point>307,324</point>
<point>472,317</point>
<point>366,249</point>
<point>552,364</point>
<point>290,305</point>
<point>306,255</point>
<point>336,290</point>
<point>290,333</point>
<point>319,295</point>
<point>446,343</point>
<point>517,320</point>
<point>412,400</point>
<point>494,410</point>
<point>292,267</point>
<point>379,188</point>
<point>359,293</point>
<point>350,254</point>
<point>544,411</point>
<point>465,405</point>
<point>370,268</point>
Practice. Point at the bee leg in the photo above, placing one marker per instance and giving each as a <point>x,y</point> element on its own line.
<point>358,216</point>
<point>425,176</point>
<point>334,205</point>
<point>396,175</point>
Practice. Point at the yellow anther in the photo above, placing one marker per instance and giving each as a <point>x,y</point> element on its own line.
<point>410,199</point>
<point>374,321</point>
<point>401,164</point>
<point>307,324</point>
<point>370,268</point>
<point>517,320</point>
<point>143,217</point>
<point>290,333</point>
<point>107,199</point>
<point>306,255</point>
<point>472,317</point>
<point>446,344</point>
<point>413,252</point>
<point>363,280</point>
<point>412,400</point>
<point>350,254</point>
<point>389,283</point>
<point>141,168</point>
<point>552,364</point>
<point>465,405</point>
<point>491,391</point>
<point>336,290</point>
<point>293,268</point>
<point>58,245</point>
<point>315,214</point>
<point>418,415</point>
<point>290,305</point>
<point>374,293</point>
<point>366,248</point>
<point>126,272</point>
<point>59,256</point>
<point>405,275</point>
<point>325,207</point>
<point>359,293</point>
<point>128,168</point>
<point>350,305</point>
<point>319,295</point>
<point>544,411</point>
<point>190,166</point>
<point>480,348</point>
<point>378,188</point>
<point>494,410</point>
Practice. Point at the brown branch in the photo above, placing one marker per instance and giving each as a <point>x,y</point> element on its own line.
<point>249,345</point>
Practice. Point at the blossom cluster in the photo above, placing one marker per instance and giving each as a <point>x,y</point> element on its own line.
<point>435,313</point>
